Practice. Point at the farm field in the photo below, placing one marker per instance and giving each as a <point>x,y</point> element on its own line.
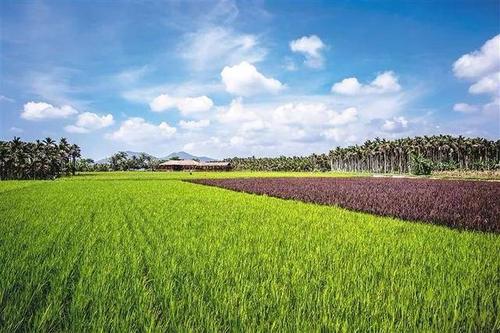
<point>469,205</point>
<point>142,251</point>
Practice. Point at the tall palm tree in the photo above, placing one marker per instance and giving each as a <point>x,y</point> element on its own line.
<point>74,152</point>
<point>33,160</point>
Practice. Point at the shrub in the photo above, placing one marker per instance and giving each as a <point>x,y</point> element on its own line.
<point>420,165</point>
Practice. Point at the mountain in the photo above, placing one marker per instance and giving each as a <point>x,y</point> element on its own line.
<point>130,154</point>
<point>186,156</point>
<point>181,154</point>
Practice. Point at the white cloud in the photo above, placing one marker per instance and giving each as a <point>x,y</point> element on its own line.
<point>302,114</point>
<point>40,111</point>
<point>396,124</point>
<point>186,105</point>
<point>193,125</point>
<point>311,47</point>
<point>483,68</point>
<point>386,82</point>
<point>253,125</point>
<point>216,46</point>
<point>349,86</point>
<point>487,85</point>
<point>235,113</point>
<point>317,114</point>
<point>493,107</point>
<point>163,102</point>
<point>189,88</point>
<point>136,131</point>
<point>236,141</point>
<point>88,121</point>
<point>465,108</point>
<point>189,105</point>
<point>339,135</point>
<point>347,116</point>
<point>294,124</point>
<point>244,80</point>
<point>481,62</point>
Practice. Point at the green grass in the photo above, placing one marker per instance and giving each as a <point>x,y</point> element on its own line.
<point>147,252</point>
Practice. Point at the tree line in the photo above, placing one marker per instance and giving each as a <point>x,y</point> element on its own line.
<point>418,155</point>
<point>121,161</point>
<point>313,162</point>
<point>46,159</point>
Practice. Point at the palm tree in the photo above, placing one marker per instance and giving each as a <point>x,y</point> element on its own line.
<point>33,160</point>
<point>74,152</point>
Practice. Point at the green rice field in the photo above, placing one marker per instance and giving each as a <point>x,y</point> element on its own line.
<point>143,251</point>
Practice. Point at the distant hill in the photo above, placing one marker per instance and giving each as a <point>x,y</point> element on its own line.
<point>186,156</point>
<point>181,154</point>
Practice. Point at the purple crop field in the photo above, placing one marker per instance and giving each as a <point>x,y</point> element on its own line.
<point>470,205</point>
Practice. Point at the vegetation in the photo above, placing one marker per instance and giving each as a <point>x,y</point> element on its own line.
<point>470,205</point>
<point>419,155</point>
<point>468,174</point>
<point>420,165</point>
<point>37,160</point>
<point>121,161</point>
<point>105,252</point>
<point>282,163</point>
<point>441,152</point>
<point>444,152</point>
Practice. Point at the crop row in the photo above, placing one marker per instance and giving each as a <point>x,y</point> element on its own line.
<point>470,205</point>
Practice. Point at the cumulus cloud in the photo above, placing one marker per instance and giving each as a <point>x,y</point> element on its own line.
<point>310,47</point>
<point>396,124</point>
<point>244,80</point>
<point>237,141</point>
<point>193,125</point>
<point>480,62</point>
<point>493,107</point>
<point>465,108</point>
<point>386,82</point>
<point>189,105</point>
<point>483,68</point>
<point>136,131</point>
<point>340,135</point>
<point>163,102</point>
<point>295,124</point>
<point>88,122</point>
<point>347,116</point>
<point>41,111</point>
<point>489,84</point>
<point>186,105</point>
<point>313,114</point>
<point>302,113</point>
<point>235,113</point>
<point>216,46</point>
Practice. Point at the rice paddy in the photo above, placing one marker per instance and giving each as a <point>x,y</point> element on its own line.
<point>149,252</point>
<point>469,205</point>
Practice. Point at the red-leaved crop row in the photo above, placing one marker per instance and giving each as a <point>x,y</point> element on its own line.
<point>470,205</point>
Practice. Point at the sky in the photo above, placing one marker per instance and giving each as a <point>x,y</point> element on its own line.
<point>229,78</point>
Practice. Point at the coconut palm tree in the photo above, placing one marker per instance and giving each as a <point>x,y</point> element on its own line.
<point>33,160</point>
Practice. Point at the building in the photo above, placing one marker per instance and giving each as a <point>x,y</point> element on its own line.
<point>192,165</point>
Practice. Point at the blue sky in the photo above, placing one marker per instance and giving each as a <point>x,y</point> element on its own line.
<point>247,78</point>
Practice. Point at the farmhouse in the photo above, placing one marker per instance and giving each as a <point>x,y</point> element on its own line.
<point>192,165</point>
